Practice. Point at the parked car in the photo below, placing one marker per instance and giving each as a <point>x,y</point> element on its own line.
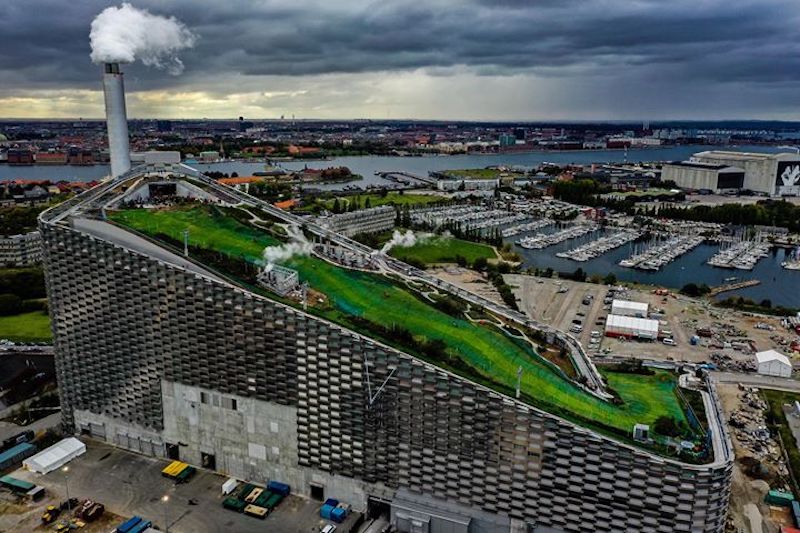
<point>669,341</point>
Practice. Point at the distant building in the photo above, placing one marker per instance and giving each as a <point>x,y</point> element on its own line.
<point>19,157</point>
<point>770,174</point>
<point>698,176</point>
<point>467,185</point>
<point>772,363</point>
<point>155,157</point>
<point>21,250</point>
<point>51,158</point>
<point>372,220</point>
<point>508,140</point>
<point>164,125</point>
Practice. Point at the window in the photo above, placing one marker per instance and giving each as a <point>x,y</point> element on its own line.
<point>204,397</point>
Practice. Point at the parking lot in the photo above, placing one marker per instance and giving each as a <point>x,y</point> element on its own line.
<point>129,484</point>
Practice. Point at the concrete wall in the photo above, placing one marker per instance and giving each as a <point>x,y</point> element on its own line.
<point>257,441</point>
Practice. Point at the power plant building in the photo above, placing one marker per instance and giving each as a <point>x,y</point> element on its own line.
<point>157,354</point>
<point>719,171</point>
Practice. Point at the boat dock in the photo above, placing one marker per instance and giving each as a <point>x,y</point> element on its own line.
<point>742,255</point>
<point>542,240</point>
<point>662,254</point>
<point>527,226</point>
<point>792,261</point>
<point>733,286</point>
<point>596,248</point>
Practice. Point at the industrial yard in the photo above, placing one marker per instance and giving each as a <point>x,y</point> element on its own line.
<point>129,484</point>
<point>733,337</point>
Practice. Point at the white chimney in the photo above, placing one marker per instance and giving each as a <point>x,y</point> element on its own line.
<point>116,119</point>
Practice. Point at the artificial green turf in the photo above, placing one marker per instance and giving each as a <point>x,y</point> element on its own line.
<point>26,327</point>
<point>443,250</point>
<point>376,298</point>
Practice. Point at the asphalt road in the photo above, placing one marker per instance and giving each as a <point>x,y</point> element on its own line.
<point>757,380</point>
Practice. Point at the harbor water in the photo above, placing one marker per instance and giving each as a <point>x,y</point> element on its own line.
<point>779,285</point>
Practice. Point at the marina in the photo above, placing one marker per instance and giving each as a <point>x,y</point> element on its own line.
<point>658,255</point>
<point>742,254</point>
<point>596,248</point>
<point>511,231</point>
<point>542,240</point>
<point>792,261</point>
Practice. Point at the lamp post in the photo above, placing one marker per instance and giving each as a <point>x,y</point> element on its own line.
<point>66,487</point>
<point>165,500</point>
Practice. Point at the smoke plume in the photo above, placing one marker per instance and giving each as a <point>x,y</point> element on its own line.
<point>123,34</point>
<point>403,240</point>
<point>297,245</point>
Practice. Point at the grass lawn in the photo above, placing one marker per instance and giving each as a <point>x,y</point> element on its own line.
<point>647,396</point>
<point>489,352</point>
<point>391,198</point>
<point>27,327</point>
<point>444,250</point>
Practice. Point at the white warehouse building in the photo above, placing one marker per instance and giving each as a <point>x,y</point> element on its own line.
<point>628,308</point>
<point>773,363</point>
<point>631,327</point>
<point>769,174</point>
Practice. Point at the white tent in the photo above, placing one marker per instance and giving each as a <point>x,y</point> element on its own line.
<point>55,456</point>
<point>628,308</point>
<point>772,363</point>
<point>628,326</point>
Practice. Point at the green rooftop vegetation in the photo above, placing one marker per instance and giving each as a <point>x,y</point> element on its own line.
<point>26,327</point>
<point>441,249</point>
<point>439,332</point>
<point>475,173</point>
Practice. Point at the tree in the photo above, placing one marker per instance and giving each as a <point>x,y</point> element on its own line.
<point>337,207</point>
<point>480,263</point>
<point>10,304</point>
<point>667,426</point>
<point>610,279</point>
<point>367,203</point>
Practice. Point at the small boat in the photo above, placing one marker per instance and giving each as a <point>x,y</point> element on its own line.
<point>730,279</point>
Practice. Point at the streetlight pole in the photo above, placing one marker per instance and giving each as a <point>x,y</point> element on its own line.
<point>165,500</point>
<point>66,487</point>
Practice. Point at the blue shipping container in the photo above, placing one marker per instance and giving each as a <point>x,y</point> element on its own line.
<point>279,488</point>
<point>141,526</point>
<point>333,502</point>
<point>796,512</point>
<point>129,524</point>
<point>338,515</point>
<point>16,454</point>
<point>325,511</point>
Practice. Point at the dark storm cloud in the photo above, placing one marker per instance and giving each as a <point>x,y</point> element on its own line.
<point>45,42</point>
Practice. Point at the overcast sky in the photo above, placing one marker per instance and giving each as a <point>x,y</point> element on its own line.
<point>478,59</point>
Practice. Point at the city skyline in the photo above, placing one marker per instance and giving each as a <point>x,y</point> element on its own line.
<point>606,60</point>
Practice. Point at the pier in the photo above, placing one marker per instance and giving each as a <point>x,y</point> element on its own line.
<point>733,286</point>
<point>541,240</point>
<point>660,255</point>
<point>596,248</point>
<point>742,255</point>
<point>527,226</point>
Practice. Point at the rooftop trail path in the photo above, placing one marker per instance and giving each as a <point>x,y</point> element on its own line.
<point>483,347</point>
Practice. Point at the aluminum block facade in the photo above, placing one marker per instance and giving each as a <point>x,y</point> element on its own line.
<point>123,322</point>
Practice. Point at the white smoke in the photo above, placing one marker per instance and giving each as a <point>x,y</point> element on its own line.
<point>297,245</point>
<point>125,33</point>
<point>403,240</point>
